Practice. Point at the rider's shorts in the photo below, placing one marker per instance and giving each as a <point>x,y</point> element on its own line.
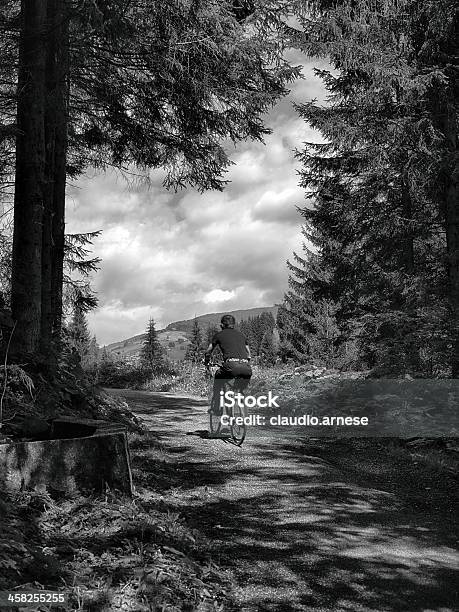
<point>236,369</point>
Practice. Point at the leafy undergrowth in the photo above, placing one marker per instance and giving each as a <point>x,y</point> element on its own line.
<point>422,412</point>
<point>33,398</point>
<point>110,553</point>
<point>192,380</point>
<point>423,471</point>
<point>14,552</point>
<point>404,407</point>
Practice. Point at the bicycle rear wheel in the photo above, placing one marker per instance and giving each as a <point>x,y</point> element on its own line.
<point>215,423</point>
<point>238,432</point>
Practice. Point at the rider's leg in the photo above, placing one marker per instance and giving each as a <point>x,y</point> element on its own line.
<point>221,375</point>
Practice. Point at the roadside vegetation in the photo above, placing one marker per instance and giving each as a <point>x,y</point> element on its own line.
<point>127,554</point>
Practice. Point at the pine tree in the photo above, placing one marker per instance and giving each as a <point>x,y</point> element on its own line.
<point>267,322</point>
<point>93,352</point>
<point>267,349</point>
<point>152,353</point>
<point>106,371</point>
<point>307,318</point>
<point>78,266</point>
<point>111,84</point>
<point>380,219</point>
<point>105,356</point>
<point>29,180</point>
<point>211,330</point>
<point>78,334</point>
<point>195,350</point>
<point>245,327</point>
<point>284,326</point>
<point>254,329</point>
<point>259,326</point>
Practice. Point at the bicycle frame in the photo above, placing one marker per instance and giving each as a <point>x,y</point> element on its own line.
<point>238,432</point>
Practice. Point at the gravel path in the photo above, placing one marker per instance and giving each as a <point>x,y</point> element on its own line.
<point>300,525</point>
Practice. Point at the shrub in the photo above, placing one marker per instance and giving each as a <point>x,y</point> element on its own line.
<point>125,374</point>
<point>192,379</point>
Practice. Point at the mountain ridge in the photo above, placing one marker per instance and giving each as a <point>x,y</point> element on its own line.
<point>174,337</point>
<point>214,317</point>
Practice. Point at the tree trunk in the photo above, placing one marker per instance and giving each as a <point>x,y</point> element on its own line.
<point>50,136</point>
<point>29,179</point>
<point>56,120</point>
<point>452,235</point>
<point>60,172</point>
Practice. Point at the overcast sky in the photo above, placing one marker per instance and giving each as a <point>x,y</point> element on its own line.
<point>172,256</point>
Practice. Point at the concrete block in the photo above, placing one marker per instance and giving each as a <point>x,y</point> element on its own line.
<point>68,465</point>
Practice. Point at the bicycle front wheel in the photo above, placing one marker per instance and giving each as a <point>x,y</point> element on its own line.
<point>238,432</point>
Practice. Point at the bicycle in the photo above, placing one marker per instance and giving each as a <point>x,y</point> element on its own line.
<point>237,431</point>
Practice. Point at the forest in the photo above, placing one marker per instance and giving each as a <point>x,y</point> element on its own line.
<point>380,282</point>
<point>138,86</point>
<point>377,284</point>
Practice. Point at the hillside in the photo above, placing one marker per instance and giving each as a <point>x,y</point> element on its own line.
<point>174,338</point>
<point>214,318</point>
<point>174,343</point>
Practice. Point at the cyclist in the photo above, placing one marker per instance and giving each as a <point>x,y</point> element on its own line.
<point>236,355</point>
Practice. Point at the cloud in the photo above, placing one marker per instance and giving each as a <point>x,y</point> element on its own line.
<point>176,255</point>
<point>276,206</point>
<point>218,296</point>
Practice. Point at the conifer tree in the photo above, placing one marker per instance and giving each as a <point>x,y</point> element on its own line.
<point>307,318</point>
<point>276,340</point>
<point>267,349</point>
<point>382,225</point>
<point>152,353</point>
<point>195,350</point>
<point>115,84</point>
<point>260,325</point>
<point>105,356</point>
<point>254,329</point>
<point>78,334</point>
<point>211,330</point>
<point>93,352</point>
<point>106,368</point>
<point>245,327</point>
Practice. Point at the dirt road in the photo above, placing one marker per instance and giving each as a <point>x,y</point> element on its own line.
<point>307,525</point>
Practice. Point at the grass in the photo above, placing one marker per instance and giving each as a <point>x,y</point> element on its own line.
<point>405,407</point>
<point>192,380</point>
<point>111,552</point>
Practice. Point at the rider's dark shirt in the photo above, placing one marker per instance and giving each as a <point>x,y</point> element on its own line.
<point>232,344</point>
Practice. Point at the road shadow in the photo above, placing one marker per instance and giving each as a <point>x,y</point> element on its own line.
<point>309,525</point>
<point>330,547</point>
